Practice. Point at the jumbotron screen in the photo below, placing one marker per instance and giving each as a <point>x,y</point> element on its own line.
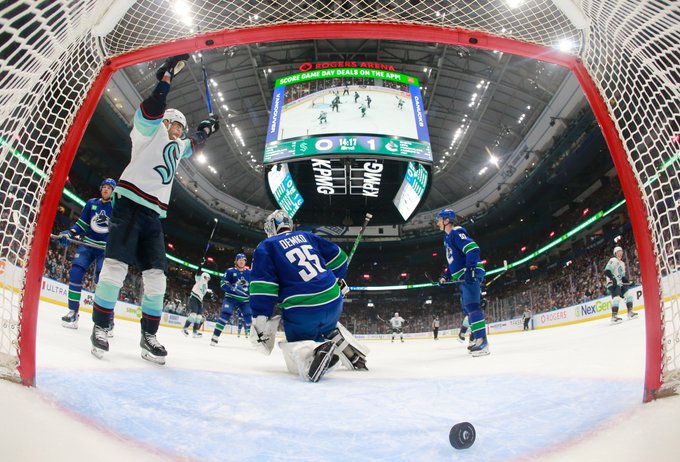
<point>347,111</point>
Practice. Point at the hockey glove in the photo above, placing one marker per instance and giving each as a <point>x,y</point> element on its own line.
<point>65,235</point>
<point>470,275</point>
<point>172,66</point>
<point>344,288</point>
<point>209,125</point>
<point>264,333</point>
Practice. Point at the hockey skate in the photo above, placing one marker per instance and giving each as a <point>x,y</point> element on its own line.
<point>214,340</point>
<point>100,344</point>
<point>616,320</point>
<point>461,337</point>
<point>632,315</point>
<point>152,350</point>
<point>480,348</point>
<point>70,320</point>
<point>185,331</point>
<point>197,334</point>
<point>323,354</point>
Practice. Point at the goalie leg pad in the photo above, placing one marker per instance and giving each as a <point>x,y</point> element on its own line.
<point>307,358</point>
<point>352,353</point>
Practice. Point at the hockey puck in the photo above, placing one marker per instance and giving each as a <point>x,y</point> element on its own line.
<point>462,435</point>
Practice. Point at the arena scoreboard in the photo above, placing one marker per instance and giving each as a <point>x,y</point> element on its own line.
<point>345,141</point>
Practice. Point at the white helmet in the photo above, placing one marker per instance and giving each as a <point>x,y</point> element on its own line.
<point>173,115</point>
<point>616,249</point>
<point>276,222</point>
<point>396,315</point>
<point>205,276</point>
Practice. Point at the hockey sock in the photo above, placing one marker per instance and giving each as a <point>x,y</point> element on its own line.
<point>197,326</point>
<point>150,323</point>
<point>629,307</point>
<point>476,319</point>
<point>219,326</point>
<point>101,316</point>
<point>74,296</point>
<point>187,323</point>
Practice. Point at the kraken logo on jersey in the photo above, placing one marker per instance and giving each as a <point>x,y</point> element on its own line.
<point>170,155</point>
<point>100,223</point>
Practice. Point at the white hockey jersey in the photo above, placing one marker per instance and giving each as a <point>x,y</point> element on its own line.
<point>200,288</point>
<point>147,180</point>
<point>618,269</point>
<point>396,322</point>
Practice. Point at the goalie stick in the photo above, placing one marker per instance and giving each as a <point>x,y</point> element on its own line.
<point>360,236</point>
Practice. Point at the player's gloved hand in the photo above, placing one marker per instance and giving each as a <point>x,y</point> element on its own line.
<point>615,283</point>
<point>264,333</point>
<point>65,235</point>
<point>470,275</point>
<point>209,125</point>
<point>344,288</point>
<point>442,282</point>
<point>172,66</point>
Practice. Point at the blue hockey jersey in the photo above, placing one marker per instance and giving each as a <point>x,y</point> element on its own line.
<point>235,283</point>
<point>297,269</point>
<point>461,252</point>
<point>93,224</point>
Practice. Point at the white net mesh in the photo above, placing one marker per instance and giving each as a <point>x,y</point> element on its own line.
<point>50,60</point>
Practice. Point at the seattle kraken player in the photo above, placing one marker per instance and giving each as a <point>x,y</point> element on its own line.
<point>235,283</point>
<point>93,226</point>
<point>299,271</point>
<point>618,285</point>
<point>464,265</point>
<point>195,303</point>
<point>141,201</point>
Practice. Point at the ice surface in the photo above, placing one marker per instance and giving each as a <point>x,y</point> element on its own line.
<point>570,393</point>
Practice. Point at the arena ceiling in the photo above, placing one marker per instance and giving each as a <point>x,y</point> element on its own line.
<point>491,99</point>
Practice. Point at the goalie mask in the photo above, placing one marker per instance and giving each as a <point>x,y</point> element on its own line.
<point>277,222</point>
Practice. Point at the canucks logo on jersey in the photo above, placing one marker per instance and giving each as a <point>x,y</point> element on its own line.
<point>99,223</point>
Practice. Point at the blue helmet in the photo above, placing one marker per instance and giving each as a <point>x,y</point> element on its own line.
<point>240,256</point>
<point>447,213</point>
<point>108,182</point>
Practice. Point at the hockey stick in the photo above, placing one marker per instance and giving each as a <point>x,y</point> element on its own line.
<point>360,236</point>
<point>505,269</point>
<point>207,246</point>
<point>208,95</point>
<point>77,241</point>
<point>437,283</point>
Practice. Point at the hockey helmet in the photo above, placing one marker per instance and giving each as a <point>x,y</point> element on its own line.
<point>173,115</point>
<point>108,182</point>
<point>240,256</point>
<point>447,213</point>
<point>276,222</point>
<point>205,276</point>
<point>396,315</point>
<point>617,249</point>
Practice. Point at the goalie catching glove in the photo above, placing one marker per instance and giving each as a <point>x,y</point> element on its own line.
<point>264,336</point>
<point>172,66</point>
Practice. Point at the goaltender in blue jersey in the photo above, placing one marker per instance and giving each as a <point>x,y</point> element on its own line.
<point>302,274</point>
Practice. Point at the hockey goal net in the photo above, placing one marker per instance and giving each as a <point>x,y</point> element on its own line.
<point>58,57</point>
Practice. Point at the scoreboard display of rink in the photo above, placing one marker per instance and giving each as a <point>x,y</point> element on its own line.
<point>343,142</point>
<point>330,191</point>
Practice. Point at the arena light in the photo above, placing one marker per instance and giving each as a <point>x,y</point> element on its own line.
<point>170,246</point>
<point>201,158</point>
<point>585,212</point>
<point>523,249</point>
<point>552,233</point>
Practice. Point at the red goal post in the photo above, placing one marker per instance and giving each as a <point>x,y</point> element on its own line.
<point>61,57</point>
